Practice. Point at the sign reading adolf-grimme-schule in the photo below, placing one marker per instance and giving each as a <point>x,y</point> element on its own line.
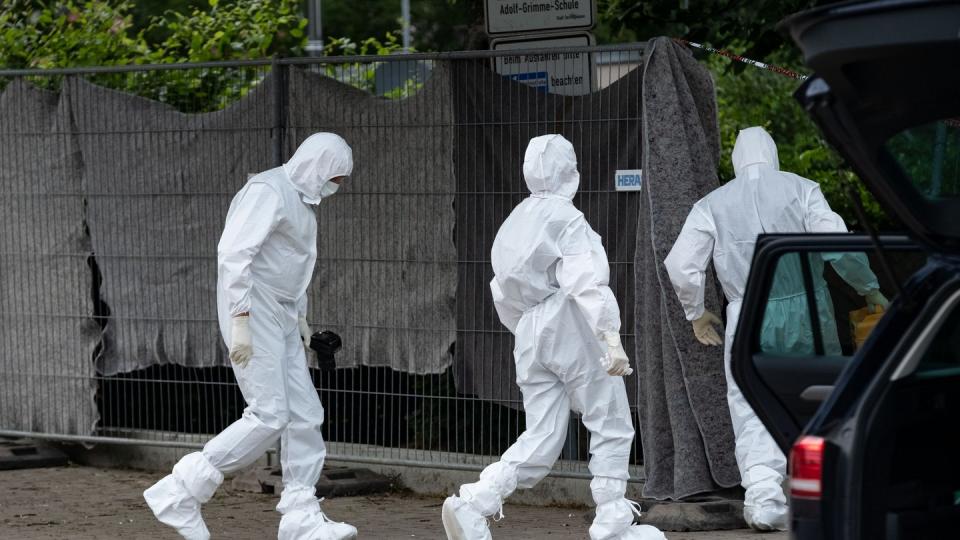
<point>514,16</point>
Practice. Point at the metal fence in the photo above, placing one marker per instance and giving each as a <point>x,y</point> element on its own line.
<point>114,182</point>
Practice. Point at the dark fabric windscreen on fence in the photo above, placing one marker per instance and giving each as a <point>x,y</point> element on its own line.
<point>386,273</point>
<point>47,331</point>
<point>158,184</point>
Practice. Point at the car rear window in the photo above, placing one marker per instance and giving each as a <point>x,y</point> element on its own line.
<point>930,155</point>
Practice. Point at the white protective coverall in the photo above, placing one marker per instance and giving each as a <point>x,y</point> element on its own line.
<point>266,258</point>
<point>723,226</point>
<point>551,290</point>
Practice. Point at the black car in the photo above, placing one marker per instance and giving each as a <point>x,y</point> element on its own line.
<point>872,430</point>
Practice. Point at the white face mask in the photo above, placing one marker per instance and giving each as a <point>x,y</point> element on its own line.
<point>328,189</point>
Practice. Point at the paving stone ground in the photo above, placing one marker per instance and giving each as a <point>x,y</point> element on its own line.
<point>92,503</point>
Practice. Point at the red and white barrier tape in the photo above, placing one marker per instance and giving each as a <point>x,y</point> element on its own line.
<point>738,58</point>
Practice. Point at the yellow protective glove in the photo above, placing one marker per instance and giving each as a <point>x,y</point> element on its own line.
<point>241,348</point>
<point>615,362</point>
<point>876,299</point>
<point>705,332</point>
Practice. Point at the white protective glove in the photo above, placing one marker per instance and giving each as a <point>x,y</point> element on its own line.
<point>241,348</point>
<point>305,332</point>
<point>876,299</point>
<point>705,332</point>
<point>615,362</point>
<point>305,336</point>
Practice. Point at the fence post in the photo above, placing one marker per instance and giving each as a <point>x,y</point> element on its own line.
<point>279,109</point>
<point>279,132</point>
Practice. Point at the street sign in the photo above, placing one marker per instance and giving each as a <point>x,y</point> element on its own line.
<point>628,180</point>
<point>514,16</point>
<point>569,74</point>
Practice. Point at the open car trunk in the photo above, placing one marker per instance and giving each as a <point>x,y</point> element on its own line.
<point>886,94</point>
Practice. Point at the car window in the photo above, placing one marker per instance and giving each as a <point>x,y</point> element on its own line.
<point>799,317</point>
<point>943,356</point>
<point>930,155</point>
<point>816,304</point>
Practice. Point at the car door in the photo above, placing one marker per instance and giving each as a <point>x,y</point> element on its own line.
<point>798,329</point>
<point>886,94</point>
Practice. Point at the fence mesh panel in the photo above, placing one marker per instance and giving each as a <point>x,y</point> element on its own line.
<point>114,183</point>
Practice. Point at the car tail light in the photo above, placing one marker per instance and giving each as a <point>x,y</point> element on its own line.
<point>806,468</point>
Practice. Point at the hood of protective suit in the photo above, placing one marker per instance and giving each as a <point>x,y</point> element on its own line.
<point>550,167</point>
<point>753,151</point>
<point>320,158</point>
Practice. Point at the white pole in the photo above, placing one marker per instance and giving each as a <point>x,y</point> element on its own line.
<point>315,27</point>
<point>405,15</point>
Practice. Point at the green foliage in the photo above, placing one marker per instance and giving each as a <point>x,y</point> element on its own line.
<point>37,34</point>
<point>370,46</point>
<point>363,74</point>
<point>436,25</point>
<point>64,34</point>
<point>755,97</point>
<point>719,23</point>
<point>242,30</point>
<point>930,155</point>
<point>247,29</point>
<point>145,12</point>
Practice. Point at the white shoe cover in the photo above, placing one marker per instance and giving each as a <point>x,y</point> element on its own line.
<point>497,481</point>
<point>614,521</point>
<point>769,517</point>
<point>462,521</point>
<point>174,506</point>
<point>642,532</point>
<point>308,522</point>
<point>611,519</point>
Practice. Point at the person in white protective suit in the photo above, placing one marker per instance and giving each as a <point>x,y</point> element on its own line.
<point>265,260</point>
<point>551,291</point>
<point>724,226</point>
